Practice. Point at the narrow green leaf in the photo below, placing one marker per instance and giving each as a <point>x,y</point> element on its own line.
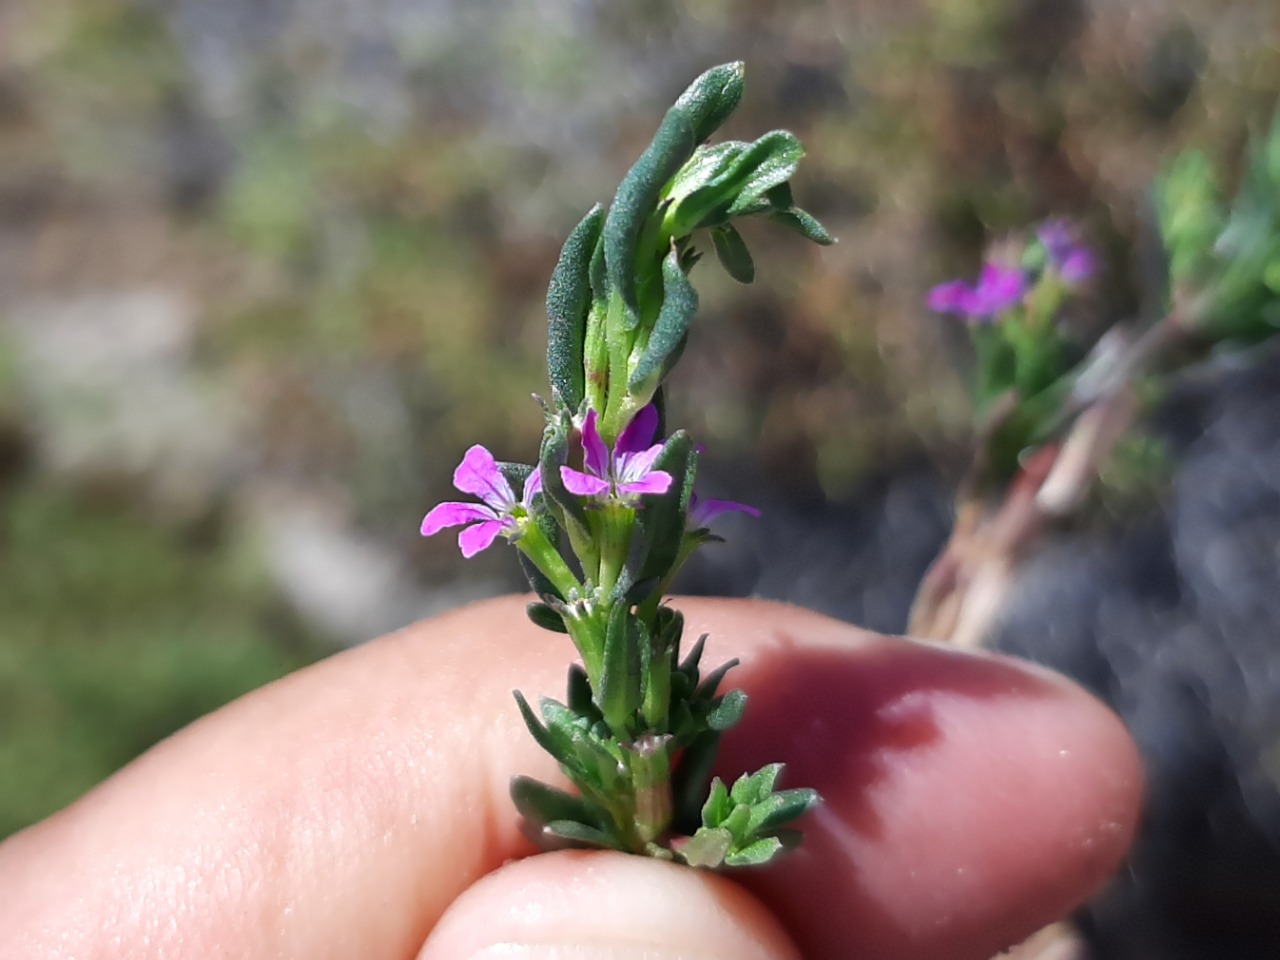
<point>541,804</point>
<point>782,808</point>
<point>568,301</point>
<point>706,104</point>
<point>755,787</point>
<point>755,854</point>
<point>707,689</point>
<point>728,712</point>
<point>643,643</point>
<point>638,591</point>
<point>740,187</point>
<point>592,761</point>
<point>679,305</point>
<point>736,822</point>
<point>733,253</point>
<point>635,200</point>
<point>556,746</point>
<point>626,580</point>
<point>660,525</point>
<point>560,719</point>
<point>718,806</point>
<point>768,163</point>
<point>706,848</point>
<point>709,101</point>
<point>578,694</point>
<point>803,224</point>
<point>708,162</point>
<point>619,693</point>
<point>689,666</point>
<point>546,617</point>
<point>599,274</point>
<point>581,834</point>
<point>779,197</point>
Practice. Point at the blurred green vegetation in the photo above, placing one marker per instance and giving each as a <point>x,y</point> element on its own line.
<point>115,634</point>
<point>367,221</point>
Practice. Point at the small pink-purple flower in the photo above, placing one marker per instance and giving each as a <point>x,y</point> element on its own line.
<point>500,513</point>
<point>624,473</point>
<point>1074,261</point>
<point>999,288</point>
<point>703,511</point>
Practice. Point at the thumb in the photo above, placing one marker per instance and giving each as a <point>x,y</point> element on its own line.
<point>606,906</point>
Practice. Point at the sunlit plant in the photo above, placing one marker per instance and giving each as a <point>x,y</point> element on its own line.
<point>608,515</point>
<point>1051,414</point>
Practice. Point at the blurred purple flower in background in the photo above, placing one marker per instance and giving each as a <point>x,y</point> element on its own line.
<point>998,289</point>
<point>501,513</point>
<point>625,473</point>
<point>1073,260</point>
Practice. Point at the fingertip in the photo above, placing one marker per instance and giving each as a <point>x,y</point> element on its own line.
<point>968,799</point>
<point>606,906</point>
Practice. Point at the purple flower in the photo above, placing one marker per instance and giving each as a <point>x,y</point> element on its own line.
<point>1078,266</point>
<point>702,512</point>
<point>1074,261</point>
<point>1058,237</point>
<point>625,473</point>
<point>998,289</point>
<point>501,513</point>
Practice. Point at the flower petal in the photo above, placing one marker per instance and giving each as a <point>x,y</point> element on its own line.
<point>595,453</point>
<point>949,297</point>
<point>1078,266</point>
<point>639,432</point>
<point>583,484</point>
<point>476,538</point>
<point>1058,237</point>
<point>702,512</point>
<point>655,481</point>
<point>999,288</point>
<point>453,514</point>
<point>631,467</point>
<point>532,487</point>
<point>478,475</point>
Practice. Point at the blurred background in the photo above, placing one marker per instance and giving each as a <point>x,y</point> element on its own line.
<point>267,267</point>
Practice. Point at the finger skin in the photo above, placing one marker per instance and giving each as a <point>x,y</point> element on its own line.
<point>340,811</point>
<point>606,906</point>
<point>968,800</point>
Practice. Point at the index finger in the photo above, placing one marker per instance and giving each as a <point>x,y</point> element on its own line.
<point>338,812</point>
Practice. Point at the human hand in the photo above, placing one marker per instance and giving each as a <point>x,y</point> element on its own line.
<point>359,808</point>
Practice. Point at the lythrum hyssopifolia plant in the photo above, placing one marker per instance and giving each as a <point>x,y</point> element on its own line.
<point>1053,411</point>
<point>608,515</point>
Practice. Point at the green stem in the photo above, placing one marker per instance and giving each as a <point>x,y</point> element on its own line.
<point>656,707</point>
<point>587,634</point>
<point>620,342</point>
<point>595,354</point>
<point>584,544</point>
<point>616,525</point>
<point>535,545</point>
<point>651,782</point>
<point>648,610</point>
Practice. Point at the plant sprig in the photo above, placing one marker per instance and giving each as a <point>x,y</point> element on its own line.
<point>1051,415</point>
<point>608,515</point>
